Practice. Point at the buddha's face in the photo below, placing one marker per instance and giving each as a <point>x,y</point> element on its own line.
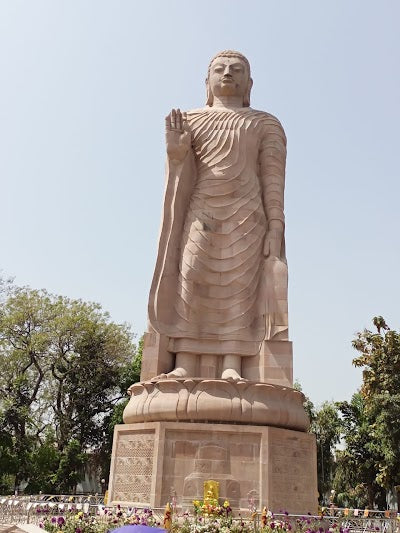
<point>228,76</point>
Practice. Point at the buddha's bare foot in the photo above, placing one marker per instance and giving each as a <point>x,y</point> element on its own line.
<point>178,372</point>
<point>230,374</point>
<point>160,376</point>
<point>231,367</point>
<point>174,374</point>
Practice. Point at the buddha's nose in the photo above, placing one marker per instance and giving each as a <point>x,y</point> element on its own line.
<point>227,70</point>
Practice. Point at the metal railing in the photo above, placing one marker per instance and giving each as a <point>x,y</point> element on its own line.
<point>35,508</point>
<point>363,520</point>
<point>31,509</point>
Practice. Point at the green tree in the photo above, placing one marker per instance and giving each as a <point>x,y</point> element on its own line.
<point>325,423</point>
<point>44,463</point>
<point>70,468</point>
<point>24,343</point>
<point>90,359</point>
<point>356,465</point>
<point>63,362</point>
<point>379,356</point>
<point>326,426</point>
<point>8,460</point>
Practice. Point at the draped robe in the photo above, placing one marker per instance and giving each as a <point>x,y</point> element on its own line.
<point>209,291</point>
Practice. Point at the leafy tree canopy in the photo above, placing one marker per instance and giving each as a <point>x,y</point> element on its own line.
<point>66,366</point>
<point>379,356</point>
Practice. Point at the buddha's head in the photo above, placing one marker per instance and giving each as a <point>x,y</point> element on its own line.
<point>229,75</point>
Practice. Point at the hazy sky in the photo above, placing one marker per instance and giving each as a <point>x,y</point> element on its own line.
<point>84,88</point>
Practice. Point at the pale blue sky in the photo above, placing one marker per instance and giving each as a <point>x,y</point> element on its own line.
<point>84,88</point>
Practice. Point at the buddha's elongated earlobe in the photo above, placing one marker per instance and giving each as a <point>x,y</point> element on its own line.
<point>210,97</point>
<point>246,98</point>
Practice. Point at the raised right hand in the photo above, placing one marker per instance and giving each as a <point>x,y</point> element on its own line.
<point>177,135</point>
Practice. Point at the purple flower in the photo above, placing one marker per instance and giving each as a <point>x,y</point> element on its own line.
<point>272,524</point>
<point>53,519</point>
<point>41,525</point>
<point>60,520</point>
<point>78,530</point>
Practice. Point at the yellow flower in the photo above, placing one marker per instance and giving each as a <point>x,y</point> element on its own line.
<point>226,504</point>
<point>80,514</point>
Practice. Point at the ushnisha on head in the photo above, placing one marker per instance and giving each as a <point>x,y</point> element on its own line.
<point>229,75</point>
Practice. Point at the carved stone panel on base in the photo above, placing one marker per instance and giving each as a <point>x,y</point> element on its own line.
<point>133,466</point>
<point>292,469</point>
<point>276,466</point>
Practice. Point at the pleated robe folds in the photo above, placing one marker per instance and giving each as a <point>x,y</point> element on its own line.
<point>209,291</point>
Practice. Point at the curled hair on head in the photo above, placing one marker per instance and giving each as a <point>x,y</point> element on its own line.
<point>230,53</point>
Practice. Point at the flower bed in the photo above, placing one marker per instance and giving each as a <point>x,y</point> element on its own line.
<point>102,522</point>
<point>205,518</point>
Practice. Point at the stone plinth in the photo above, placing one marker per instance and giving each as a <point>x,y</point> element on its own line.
<point>217,400</point>
<point>274,364</point>
<point>274,466</point>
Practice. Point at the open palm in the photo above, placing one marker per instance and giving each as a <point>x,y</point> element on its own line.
<point>177,135</point>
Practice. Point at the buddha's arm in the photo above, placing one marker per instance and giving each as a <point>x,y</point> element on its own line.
<point>272,170</point>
